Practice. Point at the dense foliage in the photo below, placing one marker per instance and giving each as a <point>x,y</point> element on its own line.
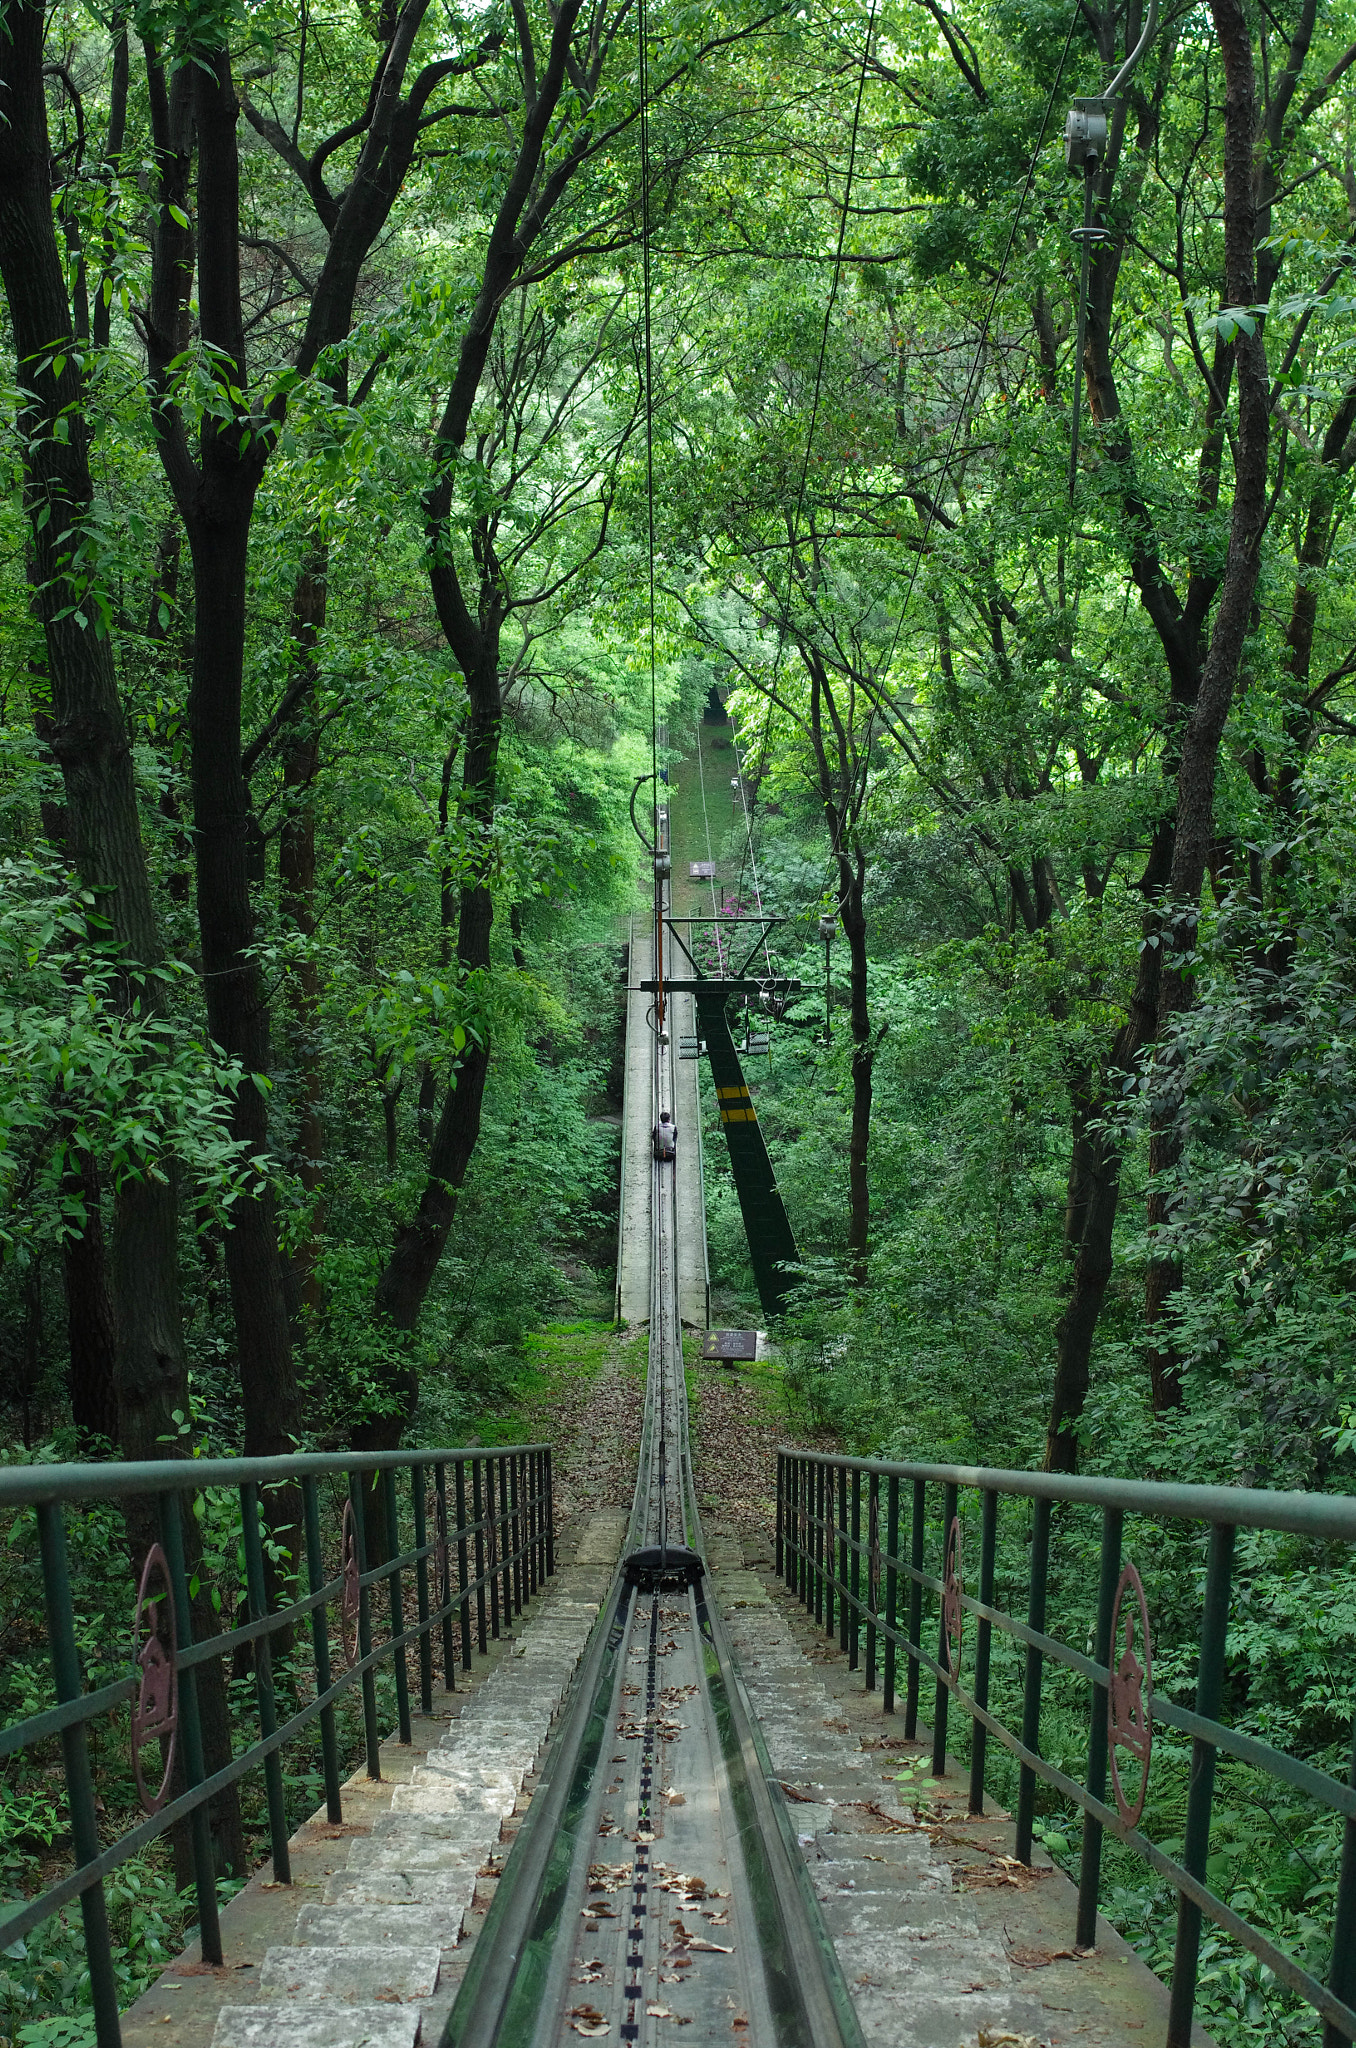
<point>344,416</point>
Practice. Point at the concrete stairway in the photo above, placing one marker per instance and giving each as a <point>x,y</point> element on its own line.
<point>364,1964</point>
<point>922,1972</point>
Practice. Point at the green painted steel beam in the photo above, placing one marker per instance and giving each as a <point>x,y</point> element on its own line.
<point>772,1244</point>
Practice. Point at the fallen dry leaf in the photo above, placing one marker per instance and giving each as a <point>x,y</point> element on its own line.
<point>1003,1870</point>
<point>587,2020</point>
<point>1037,1958</point>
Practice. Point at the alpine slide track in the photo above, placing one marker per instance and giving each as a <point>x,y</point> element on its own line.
<point>642,1787</point>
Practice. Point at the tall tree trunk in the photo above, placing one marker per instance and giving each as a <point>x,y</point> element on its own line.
<point>419,1243</point>
<point>1205,727</point>
<point>215,496</point>
<point>90,742</point>
<point>853,914</point>
<point>237,1011</point>
<point>296,890</point>
<point>91,1326</point>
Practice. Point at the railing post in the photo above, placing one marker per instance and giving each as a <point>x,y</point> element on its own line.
<point>915,1607</point>
<point>516,1525</point>
<point>831,1559</point>
<point>492,1548</point>
<point>257,1595</point>
<point>421,1589</point>
<point>819,1497</point>
<point>477,1492</point>
<point>943,1700</point>
<point>1031,1696</point>
<point>781,1481</point>
<point>795,1557</point>
<point>371,1732</point>
<point>979,1735</point>
<point>872,1583</point>
<point>463,1566</point>
<point>320,1645</point>
<point>506,1544</point>
<point>891,1587</point>
<point>527,1466</point>
<point>445,1583</point>
<point>1342,1975</point>
<point>195,1770</point>
<point>1090,1869</point>
<point>402,1675</point>
<point>853,1574</point>
<point>550,1516</point>
<point>1201,1790</point>
<point>56,1586</point>
<point>844,1596</point>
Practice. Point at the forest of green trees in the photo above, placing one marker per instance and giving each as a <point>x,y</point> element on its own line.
<point>326,677</point>
<point>349,410</point>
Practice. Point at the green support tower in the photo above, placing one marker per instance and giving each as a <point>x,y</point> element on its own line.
<point>772,1247</point>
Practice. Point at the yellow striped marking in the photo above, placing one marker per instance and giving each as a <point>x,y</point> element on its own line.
<point>732,1094</point>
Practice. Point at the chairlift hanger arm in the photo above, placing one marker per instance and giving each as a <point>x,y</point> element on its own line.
<point>641,781</point>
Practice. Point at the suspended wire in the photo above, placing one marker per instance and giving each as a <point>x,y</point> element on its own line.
<point>829,305</point>
<point>642,39</point>
<point>832,298</point>
<point>980,346</point>
<point>643,32</point>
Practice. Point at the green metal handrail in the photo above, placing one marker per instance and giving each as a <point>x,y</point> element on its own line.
<point>855,1582</point>
<point>493,1545</point>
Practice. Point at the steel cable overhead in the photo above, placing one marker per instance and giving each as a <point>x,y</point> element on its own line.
<point>976,365</point>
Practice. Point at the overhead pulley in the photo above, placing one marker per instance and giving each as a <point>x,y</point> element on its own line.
<point>1085,138</point>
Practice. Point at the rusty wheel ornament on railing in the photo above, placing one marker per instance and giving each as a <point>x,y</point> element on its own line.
<point>953,1586</point>
<point>1129,1706</point>
<point>873,1555</point>
<point>155,1709</point>
<point>350,1602</point>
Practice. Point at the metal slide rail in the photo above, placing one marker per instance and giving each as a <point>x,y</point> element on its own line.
<point>483,1541</point>
<point>518,1983</point>
<point>838,1539</point>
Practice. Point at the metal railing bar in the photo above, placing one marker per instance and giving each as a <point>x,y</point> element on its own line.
<point>1249,1749</point>
<point>86,1874</point>
<point>514,1547</point>
<point>1180,1878</point>
<point>820,1556</point>
<point>26,1486</point>
<point>89,1705</point>
<point>1298,1514</point>
<point>38,1726</point>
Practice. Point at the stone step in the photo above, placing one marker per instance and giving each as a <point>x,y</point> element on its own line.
<point>344,2026</point>
<point>445,1852</point>
<point>449,1799</point>
<point>415,1924</point>
<point>351,1975</point>
<point>449,1888</point>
